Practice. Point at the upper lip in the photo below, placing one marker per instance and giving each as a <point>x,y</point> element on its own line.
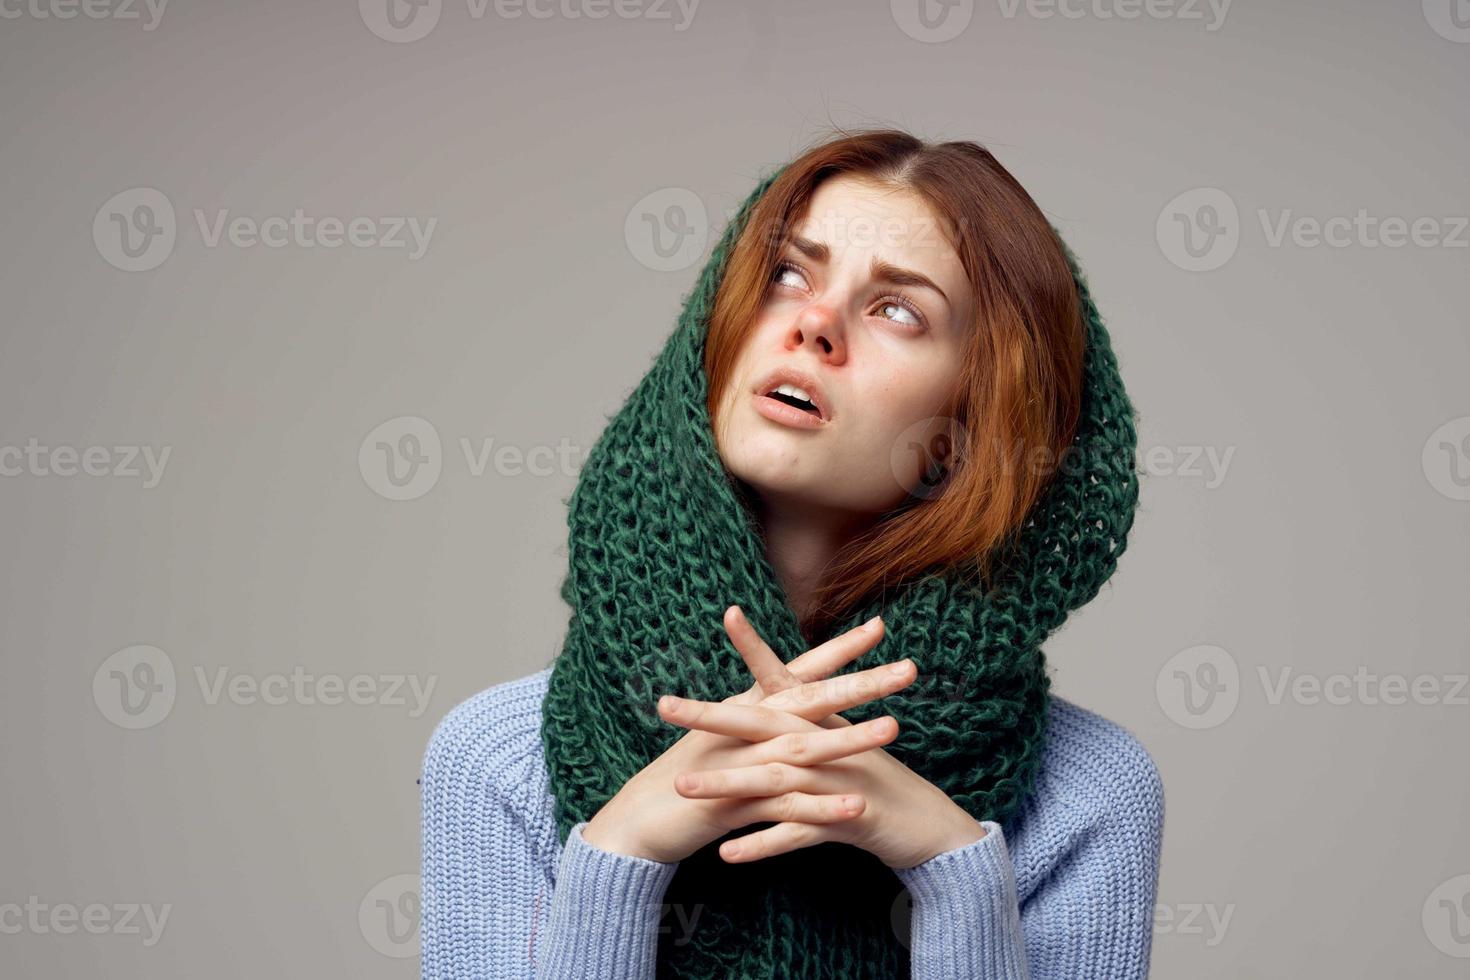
<point>806,382</point>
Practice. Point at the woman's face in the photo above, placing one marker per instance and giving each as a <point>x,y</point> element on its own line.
<point>870,309</point>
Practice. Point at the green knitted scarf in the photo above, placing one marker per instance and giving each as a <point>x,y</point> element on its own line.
<point>660,544</point>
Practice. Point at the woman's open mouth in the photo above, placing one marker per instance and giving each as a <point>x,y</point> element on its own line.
<point>789,409</point>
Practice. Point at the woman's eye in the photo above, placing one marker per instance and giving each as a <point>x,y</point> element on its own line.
<point>901,311</point>
<point>892,308</point>
<point>784,270</point>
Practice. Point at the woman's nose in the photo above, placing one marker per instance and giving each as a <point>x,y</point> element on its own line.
<point>820,326</point>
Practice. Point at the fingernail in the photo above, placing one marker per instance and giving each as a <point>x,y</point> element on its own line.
<point>668,702</point>
<point>899,668</point>
<point>873,623</point>
<point>732,849</point>
<point>849,803</point>
<point>691,783</point>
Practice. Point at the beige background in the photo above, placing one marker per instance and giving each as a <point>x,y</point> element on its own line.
<point>1303,838</point>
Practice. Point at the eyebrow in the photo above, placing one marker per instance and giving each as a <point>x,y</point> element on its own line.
<point>881,270</point>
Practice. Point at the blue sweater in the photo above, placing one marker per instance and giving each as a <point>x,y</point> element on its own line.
<point>1065,892</point>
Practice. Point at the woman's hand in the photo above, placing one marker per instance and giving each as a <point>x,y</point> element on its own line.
<point>649,818</point>
<point>905,819</point>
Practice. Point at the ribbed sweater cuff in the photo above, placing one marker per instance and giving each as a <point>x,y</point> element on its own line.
<point>605,912</point>
<point>966,920</point>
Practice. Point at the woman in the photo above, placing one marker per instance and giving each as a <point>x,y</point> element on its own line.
<point>887,429</point>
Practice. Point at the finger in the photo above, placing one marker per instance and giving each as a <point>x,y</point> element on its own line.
<point>827,658</point>
<point>814,748</point>
<point>775,840</point>
<point>768,779</point>
<point>818,699</point>
<point>796,806</point>
<point>751,722</point>
<point>770,674</point>
<point>773,676</point>
<point>820,661</point>
<point>777,760</point>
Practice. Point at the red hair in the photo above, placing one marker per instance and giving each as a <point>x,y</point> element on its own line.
<point>1021,385</point>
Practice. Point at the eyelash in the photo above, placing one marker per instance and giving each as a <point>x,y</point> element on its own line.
<point>897,299</point>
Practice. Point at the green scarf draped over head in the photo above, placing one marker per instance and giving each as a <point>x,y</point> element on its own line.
<point>660,544</point>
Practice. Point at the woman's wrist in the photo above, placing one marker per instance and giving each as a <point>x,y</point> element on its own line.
<point>967,832</point>
<point>605,838</point>
<point>962,831</point>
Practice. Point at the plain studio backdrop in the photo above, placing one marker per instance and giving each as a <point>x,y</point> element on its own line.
<point>253,253</point>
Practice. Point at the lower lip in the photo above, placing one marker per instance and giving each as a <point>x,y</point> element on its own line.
<point>779,411</point>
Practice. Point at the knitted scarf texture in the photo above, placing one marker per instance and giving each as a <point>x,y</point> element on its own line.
<point>660,544</point>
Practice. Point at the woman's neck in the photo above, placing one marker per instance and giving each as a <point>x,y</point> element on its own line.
<point>800,542</point>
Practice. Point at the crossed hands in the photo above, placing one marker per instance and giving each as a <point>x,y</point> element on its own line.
<point>780,753</point>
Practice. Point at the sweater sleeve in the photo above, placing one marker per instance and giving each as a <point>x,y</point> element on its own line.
<point>605,913</point>
<point>485,886</point>
<point>966,920</point>
<point>1089,914</point>
<point>496,901</point>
